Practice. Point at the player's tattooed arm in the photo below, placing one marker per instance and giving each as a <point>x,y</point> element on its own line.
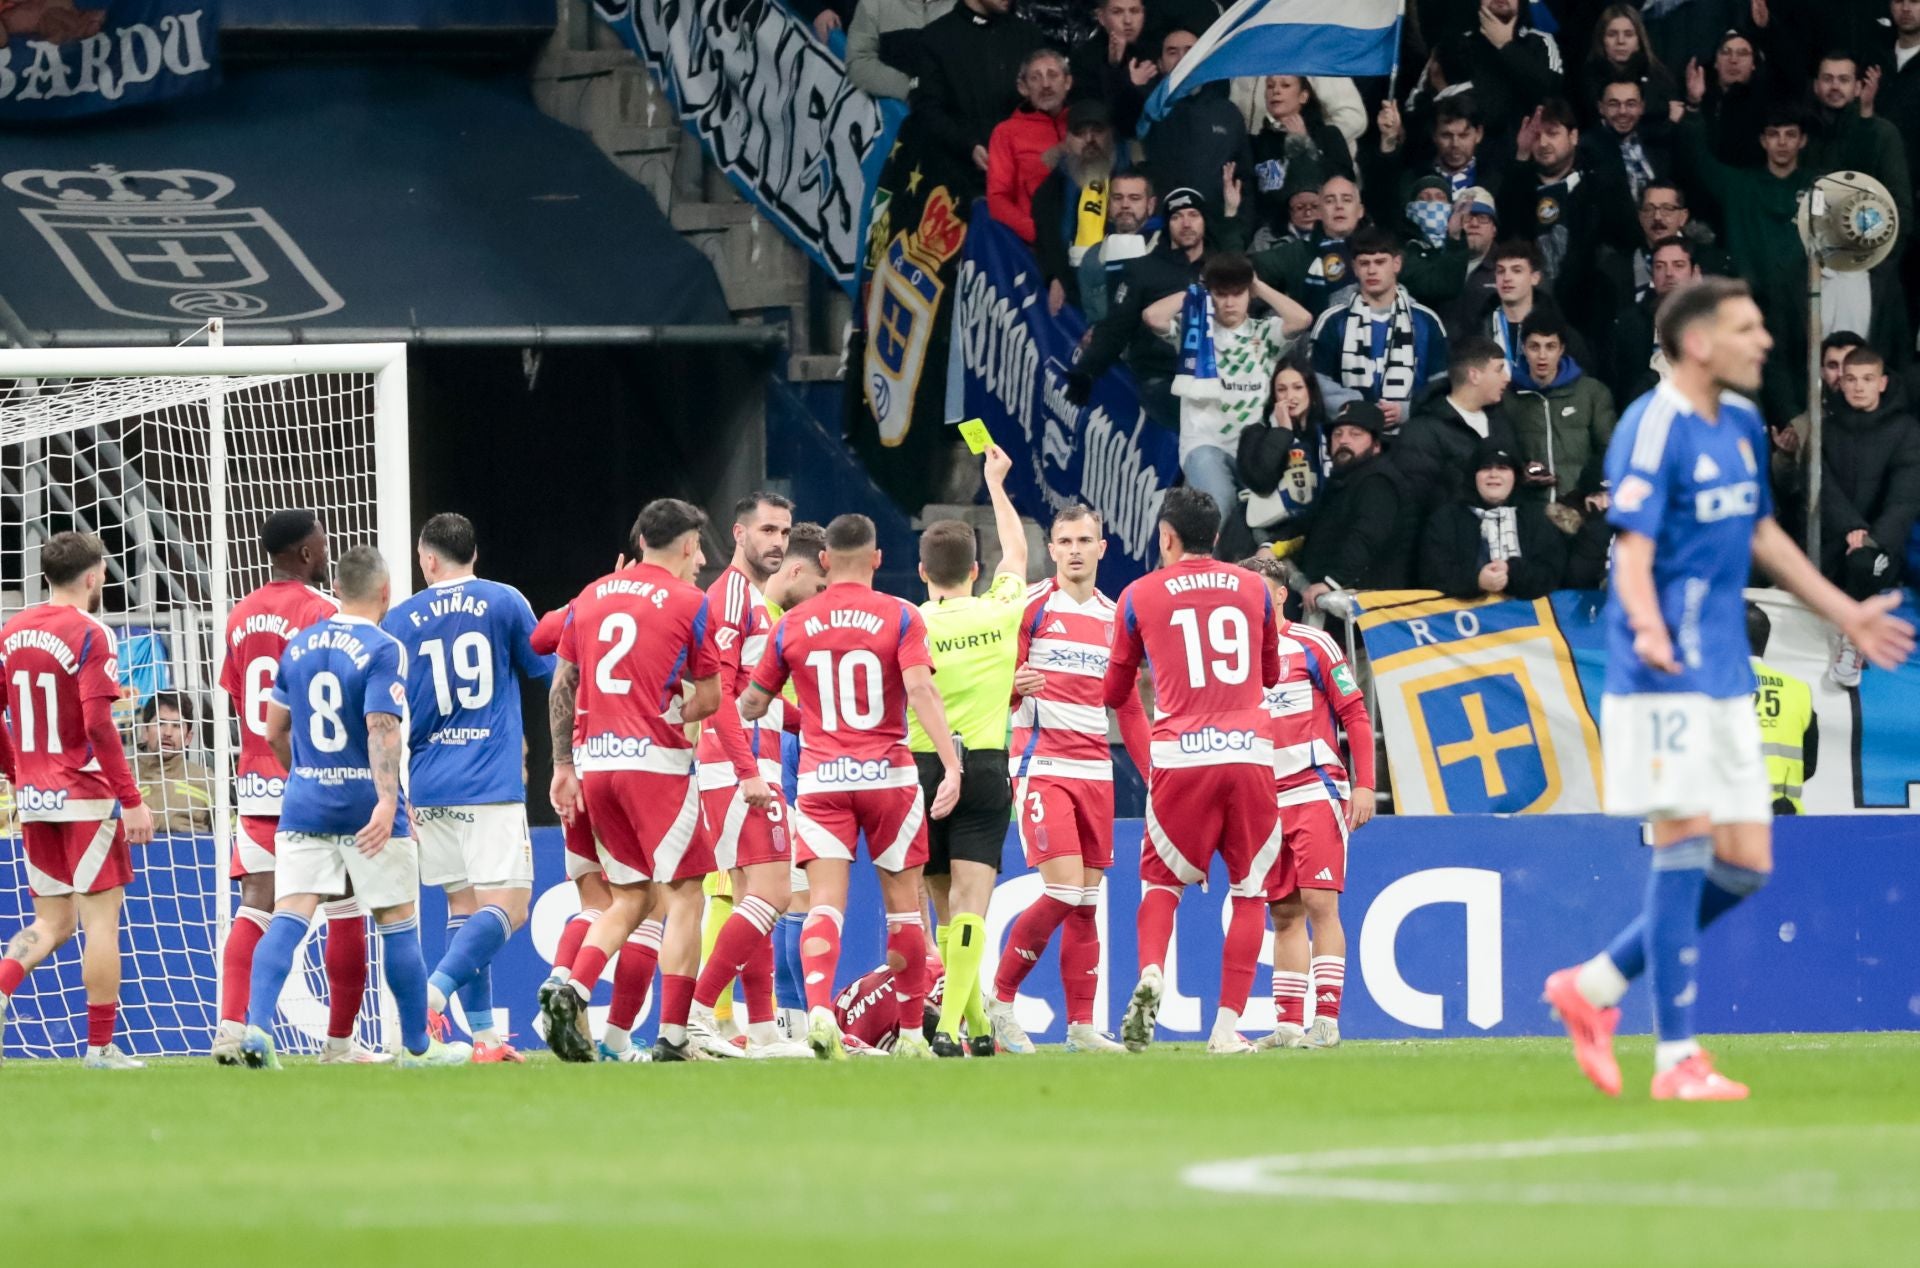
<point>383,754</point>
<point>23,945</point>
<point>560,705</point>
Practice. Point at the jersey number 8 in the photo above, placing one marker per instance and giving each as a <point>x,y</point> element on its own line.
<point>841,688</point>
<point>1227,637</point>
<point>326,728</point>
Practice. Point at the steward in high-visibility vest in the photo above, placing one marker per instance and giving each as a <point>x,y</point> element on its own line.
<point>1789,728</point>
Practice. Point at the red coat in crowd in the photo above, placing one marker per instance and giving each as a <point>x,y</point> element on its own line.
<point>1015,167</point>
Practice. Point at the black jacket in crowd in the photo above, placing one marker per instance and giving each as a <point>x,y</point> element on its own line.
<point>1507,82</point>
<point>1571,219</point>
<point>969,82</point>
<point>1121,333</point>
<point>1452,551</point>
<point>1201,134</point>
<point>1363,526</point>
<point>1097,79</point>
<point>1435,448</point>
<point>1870,478</point>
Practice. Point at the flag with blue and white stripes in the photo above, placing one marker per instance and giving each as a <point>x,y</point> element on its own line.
<point>1285,37</point>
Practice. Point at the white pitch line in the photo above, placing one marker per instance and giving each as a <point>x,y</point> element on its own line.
<point>1306,1175</point>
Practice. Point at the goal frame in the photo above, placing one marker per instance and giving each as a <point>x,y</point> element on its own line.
<point>385,363</point>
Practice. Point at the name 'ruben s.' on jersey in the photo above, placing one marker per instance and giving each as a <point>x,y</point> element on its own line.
<point>258,631</point>
<point>53,659</point>
<point>1698,489</point>
<point>636,635</point>
<point>332,676</point>
<point>469,642</point>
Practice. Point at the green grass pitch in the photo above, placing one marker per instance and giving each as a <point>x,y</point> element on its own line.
<point>1472,1152</point>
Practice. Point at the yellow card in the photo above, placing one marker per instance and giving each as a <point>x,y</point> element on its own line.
<point>974,432</point>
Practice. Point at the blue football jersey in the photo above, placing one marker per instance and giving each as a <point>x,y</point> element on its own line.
<point>1698,489</point>
<point>332,676</point>
<point>469,644</point>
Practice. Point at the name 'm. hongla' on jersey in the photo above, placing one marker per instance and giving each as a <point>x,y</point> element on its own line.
<point>637,635</point>
<point>845,649</point>
<point>742,628</point>
<point>258,631</point>
<point>1061,732</point>
<point>1315,698</point>
<point>54,658</point>
<point>1209,631</point>
<point>332,676</point>
<point>470,644</point>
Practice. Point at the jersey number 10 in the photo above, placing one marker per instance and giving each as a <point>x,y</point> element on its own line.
<point>842,686</point>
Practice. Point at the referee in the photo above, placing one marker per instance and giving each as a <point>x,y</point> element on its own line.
<point>974,643</point>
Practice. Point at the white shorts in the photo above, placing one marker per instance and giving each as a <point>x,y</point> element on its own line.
<point>1678,755</point>
<point>487,847</point>
<point>310,863</point>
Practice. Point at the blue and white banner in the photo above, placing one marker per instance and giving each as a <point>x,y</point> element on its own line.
<point>1453,923</point>
<point>1015,359</point>
<point>775,111</point>
<point>1285,37</point>
<point>60,59</point>
<point>1492,706</point>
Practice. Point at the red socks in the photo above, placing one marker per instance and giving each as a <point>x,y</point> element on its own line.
<point>1290,997</point>
<point>236,962</point>
<point>1158,904</point>
<point>747,930</point>
<point>12,973</point>
<point>1329,983</point>
<point>820,955</point>
<point>346,958</point>
<point>1029,937</point>
<point>757,980</point>
<point>572,934</point>
<point>1080,960</point>
<point>100,1019</point>
<point>907,939</point>
<point>676,998</point>
<point>633,976</point>
<point>1246,930</point>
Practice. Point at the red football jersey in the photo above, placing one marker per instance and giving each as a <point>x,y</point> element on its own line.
<point>1315,697</point>
<point>1061,733</point>
<point>846,649</point>
<point>869,1011</point>
<point>741,628</point>
<point>1209,630</point>
<point>258,631</point>
<point>54,658</point>
<point>637,635</point>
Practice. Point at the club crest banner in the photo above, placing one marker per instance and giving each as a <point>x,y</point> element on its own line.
<point>775,111</point>
<point>60,59</point>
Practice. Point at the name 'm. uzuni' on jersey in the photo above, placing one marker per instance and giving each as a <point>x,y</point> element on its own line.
<point>636,635</point>
<point>469,645</point>
<point>1208,629</point>
<point>332,677</point>
<point>1698,489</point>
<point>54,658</point>
<point>258,631</point>
<point>845,650</point>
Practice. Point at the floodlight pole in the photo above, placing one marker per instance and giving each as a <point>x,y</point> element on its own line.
<point>1814,395</point>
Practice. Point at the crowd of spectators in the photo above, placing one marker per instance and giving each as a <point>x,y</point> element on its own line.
<point>1436,300</point>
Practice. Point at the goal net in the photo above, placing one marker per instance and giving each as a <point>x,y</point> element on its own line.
<point>174,457</point>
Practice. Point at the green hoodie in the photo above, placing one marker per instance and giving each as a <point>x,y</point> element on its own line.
<point>1566,425</point>
<point>1760,210</point>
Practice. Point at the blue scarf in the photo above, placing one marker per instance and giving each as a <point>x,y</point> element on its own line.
<point>1199,376</point>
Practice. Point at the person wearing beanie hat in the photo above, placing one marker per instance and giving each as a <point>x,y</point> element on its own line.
<point>1487,543</point>
<point>1361,537</point>
<point>1071,205</point>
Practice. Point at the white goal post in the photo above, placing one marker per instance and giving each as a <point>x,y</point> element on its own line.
<point>174,456</point>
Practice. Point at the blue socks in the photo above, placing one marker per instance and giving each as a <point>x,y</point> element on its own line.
<point>789,980</point>
<point>1674,887</point>
<point>1727,886</point>
<point>272,962</point>
<point>472,942</point>
<point>406,972</point>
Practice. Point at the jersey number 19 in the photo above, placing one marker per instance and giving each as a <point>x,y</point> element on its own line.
<point>1227,637</point>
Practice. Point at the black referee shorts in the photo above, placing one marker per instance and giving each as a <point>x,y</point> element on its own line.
<point>976,831</point>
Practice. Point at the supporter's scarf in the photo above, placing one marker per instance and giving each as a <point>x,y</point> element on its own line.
<point>1499,532</point>
<point>1639,167</point>
<point>1199,376</point>
<point>1430,218</point>
<point>1090,219</point>
<point>1395,371</point>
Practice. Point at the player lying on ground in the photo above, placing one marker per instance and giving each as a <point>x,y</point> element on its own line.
<point>79,808</point>
<point>1679,740</point>
<point>469,646</point>
<point>335,719</point>
<point>871,1011</point>
<point>1210,631</point>
<point>1063,779</point>
<point>859,660</point>
<point>258,631</point>
<point>1314,700</point>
